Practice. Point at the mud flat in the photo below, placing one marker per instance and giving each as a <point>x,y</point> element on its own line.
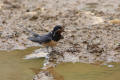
<point>90,34</point>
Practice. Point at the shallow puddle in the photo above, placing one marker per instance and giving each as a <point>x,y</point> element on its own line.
<point>14,67</point>
<point>81,71</point>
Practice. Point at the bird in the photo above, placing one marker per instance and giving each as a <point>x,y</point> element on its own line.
<point>50,39</point>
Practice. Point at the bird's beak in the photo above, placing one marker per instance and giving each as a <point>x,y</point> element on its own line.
<point>60,30</point>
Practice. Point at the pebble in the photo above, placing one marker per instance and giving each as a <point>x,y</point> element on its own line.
<point>115,21</point>
<point>31,13</point>
<point>1,5</point>
<point>110,66</point>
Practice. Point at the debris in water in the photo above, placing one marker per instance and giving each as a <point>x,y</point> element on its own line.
<point>110,66</point>
<point>36,55</point>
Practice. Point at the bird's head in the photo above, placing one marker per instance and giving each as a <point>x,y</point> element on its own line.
<point>58,29</point>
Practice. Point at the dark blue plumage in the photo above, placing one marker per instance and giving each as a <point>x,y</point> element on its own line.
<point>54,35</point>
<point>41,39</point>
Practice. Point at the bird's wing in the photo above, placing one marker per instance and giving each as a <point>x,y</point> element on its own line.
<point>40,39</point>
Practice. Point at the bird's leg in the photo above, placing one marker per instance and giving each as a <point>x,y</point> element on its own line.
<point>47,49</point>
<point>47,56</point>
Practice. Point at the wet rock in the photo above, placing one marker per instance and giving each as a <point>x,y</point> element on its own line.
<point>43,75</point>
<point>37,54</point>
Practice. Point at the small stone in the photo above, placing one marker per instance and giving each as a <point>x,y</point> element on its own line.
<point>34,18</point>
<point>1,28</point>
<point>97,20</point>
<point>1,5</point>
<point>110,66</point>
<point>115,21</point>
<point>32,13</point>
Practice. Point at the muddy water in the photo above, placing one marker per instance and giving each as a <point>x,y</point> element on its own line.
<point>81,71</point>
<point>14,67</point>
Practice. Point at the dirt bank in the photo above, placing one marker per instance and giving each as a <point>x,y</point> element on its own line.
<point>89,36</point>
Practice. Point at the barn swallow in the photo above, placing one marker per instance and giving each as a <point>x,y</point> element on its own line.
<point>50,39</point>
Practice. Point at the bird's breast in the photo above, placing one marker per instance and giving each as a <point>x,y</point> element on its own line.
<point>51,43</point>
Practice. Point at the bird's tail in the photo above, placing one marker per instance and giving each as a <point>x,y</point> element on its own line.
<point>34,39</point>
